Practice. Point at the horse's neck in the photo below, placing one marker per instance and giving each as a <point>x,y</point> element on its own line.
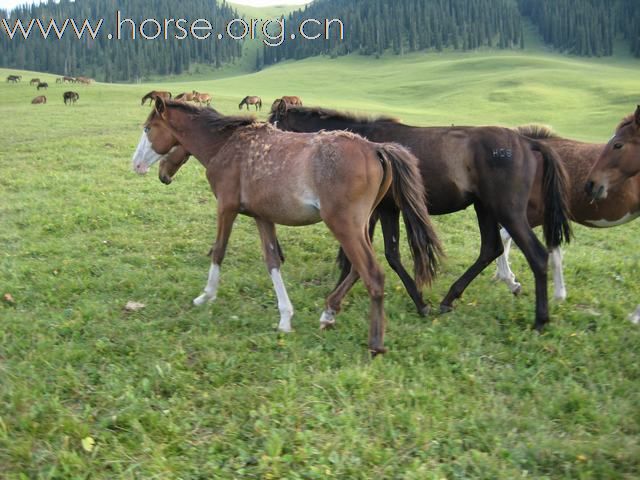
<point>204,144</point>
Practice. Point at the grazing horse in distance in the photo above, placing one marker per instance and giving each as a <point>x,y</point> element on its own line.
<point>39,100</point>
<point>84,80</point>
<point>14,78</point>
<point>71,97</point>
<point>59,80</point>
<point>251,100</point>
<point>34,81</point>
<point>491,168</point>
<point>288,101</point>
<point>153,94</point>
<point>44,85</point>
<point>186,97</point>
<point>202,98</point>
<point>621,205</point>
<point>68,80</point>
<point>296,180</point>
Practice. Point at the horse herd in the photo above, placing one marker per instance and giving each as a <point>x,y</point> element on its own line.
<point>308,165</point>
<point>69,97</point>
<point>205,99</point>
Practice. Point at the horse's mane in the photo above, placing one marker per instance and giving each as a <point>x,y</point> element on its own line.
<point>537,132</point>
<point>335,115</point>
<point>211,117</point>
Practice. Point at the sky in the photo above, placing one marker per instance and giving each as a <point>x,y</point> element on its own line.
<point>7,4</point>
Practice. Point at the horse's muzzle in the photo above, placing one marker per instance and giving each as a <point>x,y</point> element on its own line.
<point>593,191</point>
<point>165,179</point>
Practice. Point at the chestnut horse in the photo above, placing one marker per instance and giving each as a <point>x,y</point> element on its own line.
<point>202,98</point>
<point>39,100</point>
<point>186,97</point>
<point>153,94</point>
<point>491,168</point>
<point>251,100</point>
<point>296,179</point>
<point>621,206</point>
<point>289,101</point>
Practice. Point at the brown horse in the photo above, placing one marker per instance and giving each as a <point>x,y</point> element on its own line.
<point>621,205</point>
<point>251,100</point>
<point>68,80</point>
<point>202,98</point>
<point>71,97</point>
<point>83,80</point>
<point>39,100</point>
<point>619,161</point>
<point>288,101</point>
<point>491,168</point>
<point>14,78</point>
<point>296,179</point>
<point>153,94</point>
<point>43,85</point>
<point>186,97</point>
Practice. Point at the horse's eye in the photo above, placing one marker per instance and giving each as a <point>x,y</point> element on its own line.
<point>146,129</point>
<point>618,146</point>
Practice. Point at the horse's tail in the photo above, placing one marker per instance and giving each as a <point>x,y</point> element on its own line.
<point>409,195</point>
<point>555,190</point>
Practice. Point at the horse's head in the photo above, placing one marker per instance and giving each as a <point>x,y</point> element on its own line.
<point>157,139</point>
<point>619,160</point>
<point>279,115</point>
<point>171,163</point>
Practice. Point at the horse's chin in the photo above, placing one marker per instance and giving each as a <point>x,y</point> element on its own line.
<point>166,179</point>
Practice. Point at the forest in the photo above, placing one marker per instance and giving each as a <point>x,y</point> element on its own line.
<point>371,27</point>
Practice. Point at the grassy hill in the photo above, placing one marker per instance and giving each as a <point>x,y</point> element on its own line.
<point>90,390</point>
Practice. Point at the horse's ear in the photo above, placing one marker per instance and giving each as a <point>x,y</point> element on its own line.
<point>161,107</point>
<point>637,116</point>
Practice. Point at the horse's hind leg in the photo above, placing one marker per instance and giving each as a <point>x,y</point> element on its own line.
<point>272,257</point>
<point>357,246</point>
<point>503,271</point>
<point>225,223</point>
<point>537,257</point>
<point>390,220</point>
<point>490,249</point>
<point>559,288</point>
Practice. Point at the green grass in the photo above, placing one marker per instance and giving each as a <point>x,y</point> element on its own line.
<point>177,392</point>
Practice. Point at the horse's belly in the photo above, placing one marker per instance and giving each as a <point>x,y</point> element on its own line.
<point>289,211</point>
<point>604,223</point>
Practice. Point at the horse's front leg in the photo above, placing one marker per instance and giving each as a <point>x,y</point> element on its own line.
<point>273,259</point>
<point>226,217</point>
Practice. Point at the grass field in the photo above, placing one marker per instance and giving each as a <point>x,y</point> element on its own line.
<point>88,390</point>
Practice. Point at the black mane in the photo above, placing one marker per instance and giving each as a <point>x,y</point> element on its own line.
<point>334,115</point>
<point>211,117</point>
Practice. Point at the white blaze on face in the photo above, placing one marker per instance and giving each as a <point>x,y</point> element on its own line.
<point>144,155</point>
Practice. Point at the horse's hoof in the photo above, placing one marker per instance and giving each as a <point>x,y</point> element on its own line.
<point>539,327</point>
<point>424,311</point>
<point>203,300</point>
<point>517,290</point>
<point>327,320</point>
<point>328,325</point>
<point>444,309</point>
<point>377,351</point>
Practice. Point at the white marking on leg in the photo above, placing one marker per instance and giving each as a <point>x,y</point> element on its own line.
<point>284,304</point>
<point>211,290</point>
<point>327,319</point>
<point>504,272</point>
<point>559,290</point>
<point>635,316</point>
<point>144,156</point>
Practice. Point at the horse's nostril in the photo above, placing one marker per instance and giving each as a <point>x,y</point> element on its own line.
<point>588,187</point>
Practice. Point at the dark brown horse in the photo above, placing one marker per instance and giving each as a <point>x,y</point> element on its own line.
<point>289,101</point>
<point>68,80</point>
<point>153,94</point>
<point>251,100</point>
<point>621,205</point>
<point>491,168</point>
<point>70,97</point>
<point>296,179</point>
<point>39,100</point>
<point>42,85</point>
<point>14,78</point>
